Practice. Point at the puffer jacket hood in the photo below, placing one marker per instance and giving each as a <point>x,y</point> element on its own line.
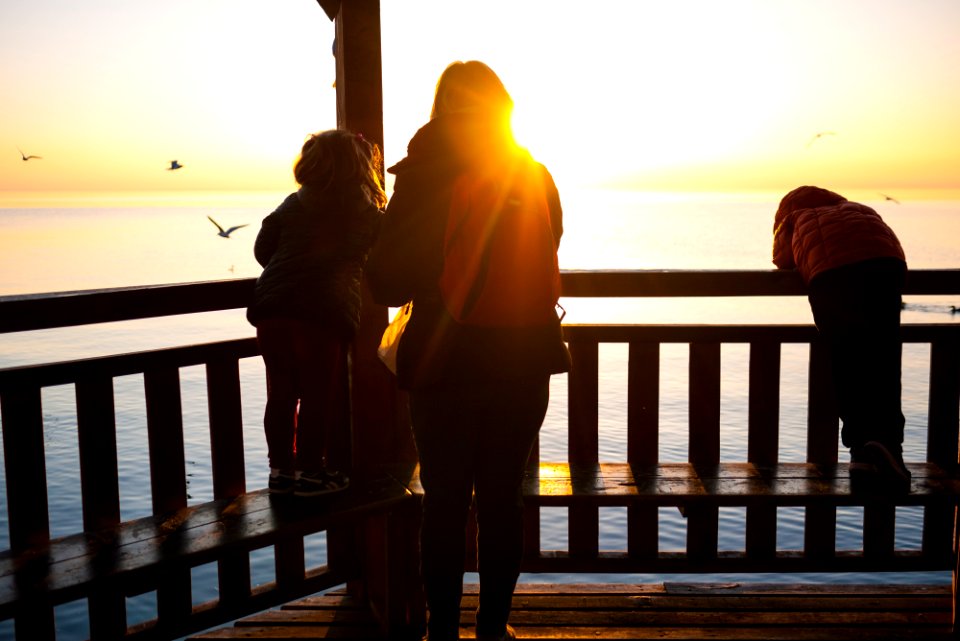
<point>817,239</point>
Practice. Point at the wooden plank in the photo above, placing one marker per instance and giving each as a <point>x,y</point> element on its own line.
<point>168,474</point>
<point>288,561</point>
<point>943,410</point>
<point>704,392</point>
<point>643,403</point>
<point>168,486</point>
<point>725,484</point>
<point>583,399</point>
<point>64,309</point>
<point>822,420</point>
<point>879,529</point>
<point>711,283</point>
<point>25,466</point>
<point>656,611</point>
<point>97,440</point>
<point>763,409</point>
<point>67,372</point>
<point>141,552</point>
<point>226,428</point>
<point>763,441</point>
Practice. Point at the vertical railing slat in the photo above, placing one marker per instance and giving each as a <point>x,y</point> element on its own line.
<point>226,428</point>
<point>940,540</point>
<point>879,527</point>
<point>643,441</point>
<point>763,441</point>
<point>168,482</point>
<point>704,395</point>
<point>583,442</point>
<point>943,405</point>
<point>26,476</point>
<point>226,453</point>
<point>99,483</point>
<point>704,443</point>
<point>643,404</point>
<point>820,522</point>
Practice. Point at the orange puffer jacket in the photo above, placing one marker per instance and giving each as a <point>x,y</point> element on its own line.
<point>817,239</point>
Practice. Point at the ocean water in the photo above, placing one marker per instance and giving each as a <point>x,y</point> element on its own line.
<point>150,239</point>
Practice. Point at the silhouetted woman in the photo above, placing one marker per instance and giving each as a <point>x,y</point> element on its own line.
<point>477,396</point>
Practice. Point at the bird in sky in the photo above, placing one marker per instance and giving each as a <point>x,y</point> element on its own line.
<point>890,198</point>
<point>26,157</point>
<point>820,134</point>
<point>225,233</point>
<point>174,164</point>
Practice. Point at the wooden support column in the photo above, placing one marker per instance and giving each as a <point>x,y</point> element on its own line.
<point>380,421</point>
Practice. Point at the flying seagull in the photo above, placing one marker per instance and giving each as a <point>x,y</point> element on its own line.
<point>26,157</point>
<point>174,164</point>
<point>225,234</point>
<point>820,135</point>
<point>890,198</point>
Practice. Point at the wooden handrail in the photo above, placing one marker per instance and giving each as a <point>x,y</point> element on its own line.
<point>65,309</point>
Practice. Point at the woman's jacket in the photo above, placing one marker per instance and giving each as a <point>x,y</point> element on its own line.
<point>313,249</point>
<point>818,239</point>
<point>406,263</point>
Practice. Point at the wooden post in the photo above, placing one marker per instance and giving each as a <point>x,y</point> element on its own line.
<point>380,421</point>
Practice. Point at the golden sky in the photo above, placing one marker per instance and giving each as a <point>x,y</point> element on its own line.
<point>653,95</point>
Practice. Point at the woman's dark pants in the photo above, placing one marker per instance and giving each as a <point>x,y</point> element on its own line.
<point>474,439</point>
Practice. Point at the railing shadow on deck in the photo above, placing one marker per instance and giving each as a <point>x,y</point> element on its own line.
<point>83,574</point>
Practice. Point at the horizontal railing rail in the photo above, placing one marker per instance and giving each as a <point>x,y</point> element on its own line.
<point>21,402</point>
<point>66,309</point>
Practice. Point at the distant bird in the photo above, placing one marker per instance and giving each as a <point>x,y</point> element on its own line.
<point>817,136</point>
<point>225,234</point>
<point>890,198</point>
<point>26,157</point>
<point>174,164</point>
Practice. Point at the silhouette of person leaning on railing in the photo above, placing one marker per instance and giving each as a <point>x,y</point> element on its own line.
<point>855,268</point>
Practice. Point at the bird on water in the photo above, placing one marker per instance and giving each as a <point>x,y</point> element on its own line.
<point>174,164</point>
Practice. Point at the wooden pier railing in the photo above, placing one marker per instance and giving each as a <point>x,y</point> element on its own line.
<point>372,529</point>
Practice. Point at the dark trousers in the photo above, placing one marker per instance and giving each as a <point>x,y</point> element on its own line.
<point>305,392</point>
<point>474,440</point>
<point>857,311</point>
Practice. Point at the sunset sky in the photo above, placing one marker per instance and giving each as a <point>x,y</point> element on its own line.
<point>651,95</point>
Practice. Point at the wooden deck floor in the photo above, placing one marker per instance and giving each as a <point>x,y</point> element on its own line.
<point>673,611</point>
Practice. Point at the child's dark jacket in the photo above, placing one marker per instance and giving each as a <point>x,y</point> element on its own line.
<point>313,249</point>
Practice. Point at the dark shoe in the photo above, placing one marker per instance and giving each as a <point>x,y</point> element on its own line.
<point>508,634</point>
<point>888,461</point>
<point>860,462</point>
<point>320,483</point>
<point>281,484</point>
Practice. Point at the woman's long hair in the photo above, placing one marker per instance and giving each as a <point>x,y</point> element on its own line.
<point>471,86</point>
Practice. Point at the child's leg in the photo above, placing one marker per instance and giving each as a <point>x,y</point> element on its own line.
<point>280,417</point>
<point>321,363</point>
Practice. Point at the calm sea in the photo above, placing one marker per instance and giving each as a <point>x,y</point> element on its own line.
<point>149,239</point>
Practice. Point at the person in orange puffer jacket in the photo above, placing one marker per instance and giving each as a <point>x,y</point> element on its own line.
<point>854,268</point>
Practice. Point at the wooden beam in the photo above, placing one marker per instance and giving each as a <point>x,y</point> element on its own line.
<point>330,7</point>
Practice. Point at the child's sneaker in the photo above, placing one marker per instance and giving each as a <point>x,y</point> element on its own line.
<point>319,483</point>
<point>889,464</point>
<point>281,484</point>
